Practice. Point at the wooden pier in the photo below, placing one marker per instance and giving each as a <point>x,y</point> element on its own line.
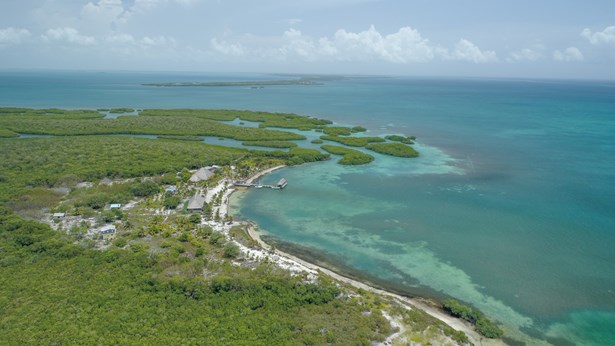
<point>280,185</point>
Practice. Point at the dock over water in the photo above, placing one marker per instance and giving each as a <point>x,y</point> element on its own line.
<point>280,185</point>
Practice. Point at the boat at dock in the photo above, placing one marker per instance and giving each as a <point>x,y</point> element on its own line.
<point>282,183</point>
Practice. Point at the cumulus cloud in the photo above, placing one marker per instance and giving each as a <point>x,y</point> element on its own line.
<point>68,35</point>
<point>527,54</point>
<point>120,38</point>
<point>103,9</point>
<point>226,48</point>
<point>605,36</point>
<point>157,41</point>
<point>297,44</point>
<point>10,36</point>
<point>468,51</point>
<point>407,45</point>
<point>150,4</point>
<point>404,46</point>
<point>568,55</point>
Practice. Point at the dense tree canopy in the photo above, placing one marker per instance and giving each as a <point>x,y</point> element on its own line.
<point>56,292</point>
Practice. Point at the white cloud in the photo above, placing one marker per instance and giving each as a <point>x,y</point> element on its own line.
<point>226,48</point>
<point>527,54</point>
<point>568,55</point>
<point>468,51</point>
<point>404,46</point>
<point>157,41</point>
<point>407,45</point>
<point>68,35</point>
<point>150,4</point>
<point>299,45</point>
<point>12,35</point>
<point>120,38</point>
<point>103,9</point>
<point>600,37</point>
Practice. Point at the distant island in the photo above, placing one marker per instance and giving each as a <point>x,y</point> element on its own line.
<point>263,83</point>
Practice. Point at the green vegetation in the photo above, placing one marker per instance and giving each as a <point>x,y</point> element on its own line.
<point>271,144</point>
<point>56,161</point>
<point>424,329</point>
<point>317,141</point>
<point>402,139</point>
<point>239,234</point>
<point>145,188</point>
<point>482,324</point>
<point>350,156</point>
<point>393,149</point>
<point>282,120</point>
<point>54,291</point>
<point>358,129</point>
<point>121,110</point>
<point>294,156</point>
<point>147,125</point>
<point>337,131</point>
<point>353,141</point>
<point>4,133</point>
<point>49,113</point>
<point>302,155</point>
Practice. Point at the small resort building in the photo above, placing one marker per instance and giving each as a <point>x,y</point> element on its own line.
<point>196,202</point>
<point>107,229</point>
<point>115,206</point>
<point>58,216</point>
<point>203,173</point>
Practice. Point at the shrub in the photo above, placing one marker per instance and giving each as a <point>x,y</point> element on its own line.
<point>231,250</point>
<point>120,242</point>
<point>483,325</point>
<point>96,201</point>
<point>194,218</point>
<point>171,202</point>
<point>144,189</point>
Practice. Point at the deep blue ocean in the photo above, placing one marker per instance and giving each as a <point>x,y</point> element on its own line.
<point>511,206</point>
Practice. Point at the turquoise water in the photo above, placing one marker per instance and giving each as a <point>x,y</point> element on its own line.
<point>509,208</point>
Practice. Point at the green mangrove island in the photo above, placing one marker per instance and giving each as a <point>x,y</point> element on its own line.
<point>117,231</point>
<point>349,156</point>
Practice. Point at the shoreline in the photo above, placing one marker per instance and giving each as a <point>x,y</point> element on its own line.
<point>294,263</point>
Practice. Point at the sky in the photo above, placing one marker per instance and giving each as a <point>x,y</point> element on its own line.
<point>469,38</point>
